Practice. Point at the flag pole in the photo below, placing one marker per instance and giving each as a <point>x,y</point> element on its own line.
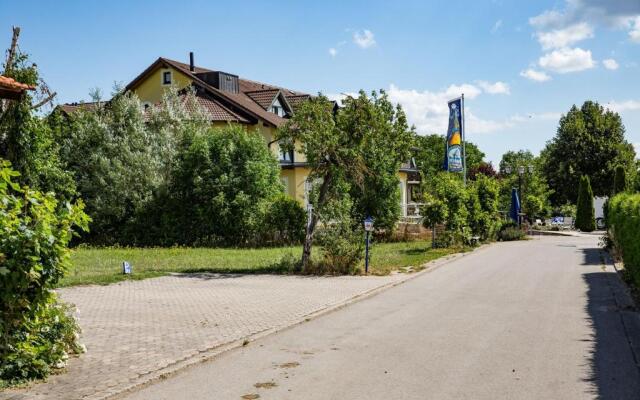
<point>464,146</point>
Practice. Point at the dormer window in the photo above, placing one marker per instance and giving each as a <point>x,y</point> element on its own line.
<point>166,77</point>
<point>277,108</point>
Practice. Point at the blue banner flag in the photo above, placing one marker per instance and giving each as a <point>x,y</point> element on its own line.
<point>453,160</point>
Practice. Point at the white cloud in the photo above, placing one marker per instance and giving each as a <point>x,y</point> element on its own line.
<point>428,110</point>
<point>567,60</point>
<point>564,37</point>
<point>478,125</point>
<point>333,52</point>
<point>548,19</point>
<point>620,106</point>
<point>496,26</point>
<point>618,14</point>
<point>610,63</point>
<point>634,32</point>
<point>538,76</point>
<point>494,88</point>
<point>364,39</point>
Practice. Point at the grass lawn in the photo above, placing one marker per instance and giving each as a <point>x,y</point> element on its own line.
<point>104,265</point>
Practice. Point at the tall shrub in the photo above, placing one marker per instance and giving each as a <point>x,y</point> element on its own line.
<point>623,222</point>
<point>620,180</point>
<point>222,183</point>
<point>35,333</point>
<point>585,214</point>
<point>447,202</point>
<point>484,219</point>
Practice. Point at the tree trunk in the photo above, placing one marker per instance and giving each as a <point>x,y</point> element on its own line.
<point>311,225</point>
<point>12,49</point>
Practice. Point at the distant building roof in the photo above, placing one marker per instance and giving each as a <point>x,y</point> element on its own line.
<point>69,108</point>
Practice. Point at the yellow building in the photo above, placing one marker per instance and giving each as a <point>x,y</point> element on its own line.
<point>228,98</point>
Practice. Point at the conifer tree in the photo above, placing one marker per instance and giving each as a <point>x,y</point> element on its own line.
<point>619,180</point>
<point>585,215</point>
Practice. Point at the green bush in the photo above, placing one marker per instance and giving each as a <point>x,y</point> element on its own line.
<point>40,345</point>
<point>509,233</point>
<point>342,250</point>
<point>284,222</point>
<point>445,239</point>
<point>117,163</point>
<point>446,202</point>
<point>222,184</point>
<point>483,219</point>
<point>585,213</point>
<point>619,180</point>
<point>624,229</point>
<point>34,234</point>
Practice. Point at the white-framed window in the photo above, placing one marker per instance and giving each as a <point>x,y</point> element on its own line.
<point>286,155</point>
<point>166,77</point>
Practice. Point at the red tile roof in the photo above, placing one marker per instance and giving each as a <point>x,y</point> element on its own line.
<point>13,85</point>
<point>264,98</point>
<point>241,103</point>
<point>295,101</point>
<point>215,111</point>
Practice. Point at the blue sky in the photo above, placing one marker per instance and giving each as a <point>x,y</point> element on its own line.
<point>520,64</point>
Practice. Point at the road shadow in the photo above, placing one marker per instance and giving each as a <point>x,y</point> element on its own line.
<point>613,370</point>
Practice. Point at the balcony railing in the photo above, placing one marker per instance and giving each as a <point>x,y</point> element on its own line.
<point>411,212</point>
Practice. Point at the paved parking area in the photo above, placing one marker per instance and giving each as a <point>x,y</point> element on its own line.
<point>136,331</point>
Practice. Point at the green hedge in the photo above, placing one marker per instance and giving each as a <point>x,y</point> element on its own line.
<point>624,228</point>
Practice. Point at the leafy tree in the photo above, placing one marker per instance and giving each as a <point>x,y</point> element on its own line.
<point>620,180</point>
<point>585,214</point>
<point>430,150</point>
<point>25,138</point>
<point>385,147</point>
<point>117,163</point>
<point>534,198</point>
<point>589,141</point>
<point>483,168</point>
<point>353,152</point>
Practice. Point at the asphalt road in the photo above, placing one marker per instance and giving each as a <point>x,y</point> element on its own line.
<point>537,319</point>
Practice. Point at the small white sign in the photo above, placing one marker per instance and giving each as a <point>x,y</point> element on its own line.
<point>368,224</point>
<point>126,268</point>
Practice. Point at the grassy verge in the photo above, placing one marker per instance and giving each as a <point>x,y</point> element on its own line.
<point>104,265</point>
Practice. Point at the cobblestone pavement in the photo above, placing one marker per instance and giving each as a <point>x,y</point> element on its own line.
<point>137,330</point>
